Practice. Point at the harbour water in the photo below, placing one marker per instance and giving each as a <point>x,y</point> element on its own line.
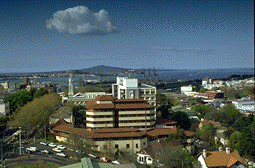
<point>164,76</point>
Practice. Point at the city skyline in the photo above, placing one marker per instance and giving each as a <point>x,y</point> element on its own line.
<point>40,36</point>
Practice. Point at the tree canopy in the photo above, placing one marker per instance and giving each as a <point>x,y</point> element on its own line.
<point>181,118</point>
<point>206,133</point>
<point>18,99</point>
<point>35,113</point>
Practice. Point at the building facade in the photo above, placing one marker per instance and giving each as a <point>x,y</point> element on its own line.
<point>108,112</point>
<point>4,107</point>
<point>124,139</point>
<point>245,104</point>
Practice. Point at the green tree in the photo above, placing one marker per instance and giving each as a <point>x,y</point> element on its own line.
<point>201,110</point>
<point>179,135</point>
<point>202,90</point>
<point>163,111</point>
<point>161,99</point>
<point>235,140</point>
<point>181,118</point>
<point>18,99</point>
<point>241,123</point>
<point>206,133</point>
<point>228,132</point>
<point>186,159</point>
<point>230,114</point>
<point>176,102</point>
<point>80,141</point>
<point>35,113</point>
<point>40,92</point>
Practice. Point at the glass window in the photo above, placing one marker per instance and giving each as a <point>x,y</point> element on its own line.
<point>127,146</point>
<point>116,146</point>
<point>136,145</point>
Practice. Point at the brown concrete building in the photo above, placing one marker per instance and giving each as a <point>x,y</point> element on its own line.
<point>108,112</point>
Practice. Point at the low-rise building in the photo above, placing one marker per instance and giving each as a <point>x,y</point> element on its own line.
<point>4,107</point>
<point>63,112</point>
<point>186,89</point>
<point>125,139</point>
<point>82,98</point>
<point>245,104</point>
<point>221,159</point>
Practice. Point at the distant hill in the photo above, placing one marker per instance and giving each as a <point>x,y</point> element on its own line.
<point>103,69</point>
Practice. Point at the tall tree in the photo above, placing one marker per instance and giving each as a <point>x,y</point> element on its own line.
<point>230,114</point>
<point>18,99</point>
<point>181,118</point>
<point>206,133</point>
<point>80,141</point>
<point>35,113</point>
<point>40,92</point>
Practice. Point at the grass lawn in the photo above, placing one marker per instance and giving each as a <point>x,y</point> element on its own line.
<point>39,164</point>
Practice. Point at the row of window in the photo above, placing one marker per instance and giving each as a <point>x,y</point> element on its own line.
<point>100,116</point>
<point>136,121</point>
<point>127,146</point>
<point>100,122</point>
<point>136,115</point>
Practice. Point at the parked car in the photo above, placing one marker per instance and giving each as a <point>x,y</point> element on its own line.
<point>45,151</point>
<point>116,162</point>
<point>200,142</point>
<point>61,154</point>
<point>61,147</point>
<point>93,156</point>
<point>104,159</point>
<point>31,149</point>
<point>52,145</point>
<point>57,150</point>
<point>44,143</point>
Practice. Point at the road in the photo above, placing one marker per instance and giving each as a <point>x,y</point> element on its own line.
<point>12,156</point>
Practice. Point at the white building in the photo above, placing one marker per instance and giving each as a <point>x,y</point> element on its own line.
<point>4,108</point>
<point>186,89</point>
<point>82,98</point>
<point>245,104</point>
<point>127,88</point>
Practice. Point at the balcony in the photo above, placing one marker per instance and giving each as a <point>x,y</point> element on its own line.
<point>99,119</point>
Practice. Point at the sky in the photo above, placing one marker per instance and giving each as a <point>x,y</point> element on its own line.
<point>39,36</point>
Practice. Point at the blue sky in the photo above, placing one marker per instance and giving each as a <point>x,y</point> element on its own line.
<point>61,35</point>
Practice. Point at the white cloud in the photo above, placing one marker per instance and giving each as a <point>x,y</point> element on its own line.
<point>81,20</point>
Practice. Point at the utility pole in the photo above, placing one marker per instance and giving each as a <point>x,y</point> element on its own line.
<point>45,132</point>
<point>20,141</point>
<point>1,150</point>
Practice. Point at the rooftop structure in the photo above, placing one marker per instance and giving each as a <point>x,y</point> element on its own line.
<point>129,88</point>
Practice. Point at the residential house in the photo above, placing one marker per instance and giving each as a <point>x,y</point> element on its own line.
<point>164,123</point>
<point>221,159</point>
<point>158,153</point>
<point>216,124</point>
<point>63,112</point>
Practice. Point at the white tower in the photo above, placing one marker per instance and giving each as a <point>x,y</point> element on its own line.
<point>70,88</point>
